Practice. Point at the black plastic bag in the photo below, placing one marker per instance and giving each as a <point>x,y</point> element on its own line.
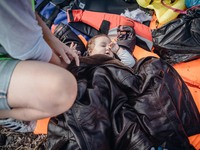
<point>179,40</point>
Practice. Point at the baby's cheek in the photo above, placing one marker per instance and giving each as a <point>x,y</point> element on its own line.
<point>111,54</point>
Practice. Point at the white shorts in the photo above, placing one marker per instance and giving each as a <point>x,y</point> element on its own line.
<point>6,69</point>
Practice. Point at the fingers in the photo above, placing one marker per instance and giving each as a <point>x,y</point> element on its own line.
<point>72,45</point>
<point>113,46</point>
<point>68,53</point>
<point>74,53</point>
<point>77,52</point>
<point>112,43</point>
<point>65,57</point>
<point>76,57</point>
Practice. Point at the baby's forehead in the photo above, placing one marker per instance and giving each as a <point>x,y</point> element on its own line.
<point>103,38</point>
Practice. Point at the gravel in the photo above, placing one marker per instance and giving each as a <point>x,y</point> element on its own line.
<point>21,141</point>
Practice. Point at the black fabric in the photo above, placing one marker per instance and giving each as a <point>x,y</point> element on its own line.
<point>179,40</point>
<point>67,36</point>
<point>59,4</point>
<point>109,6</point>
<point>141,43</point>
<point>104,28</point>
<point>41,5</point>
<point>119,108</point>
<point>84,28</point>
<point>54,14</point>
<point>70,15</point>
<point>126,37</point>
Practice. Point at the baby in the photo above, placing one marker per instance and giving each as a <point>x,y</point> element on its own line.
<point>102,44</point>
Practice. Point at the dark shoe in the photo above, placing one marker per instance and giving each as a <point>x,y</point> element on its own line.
<point>2,139</point>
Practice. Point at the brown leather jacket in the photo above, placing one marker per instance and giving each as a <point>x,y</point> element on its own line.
<point>122,109</point>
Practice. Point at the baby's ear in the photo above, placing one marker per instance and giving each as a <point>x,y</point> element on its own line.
<point>86,53</point>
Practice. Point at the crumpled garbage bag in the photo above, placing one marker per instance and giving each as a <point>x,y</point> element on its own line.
<point>179,40</point>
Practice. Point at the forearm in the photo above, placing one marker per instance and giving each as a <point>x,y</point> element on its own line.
<point>47,35</point>
<point>49,38</point>
<point>57,61</point>
<point>62,54</point>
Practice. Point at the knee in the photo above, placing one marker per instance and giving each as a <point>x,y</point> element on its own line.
<point>63,93</point>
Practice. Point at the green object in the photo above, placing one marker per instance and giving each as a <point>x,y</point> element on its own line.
<point>4,57</point>
<point>33,4</point>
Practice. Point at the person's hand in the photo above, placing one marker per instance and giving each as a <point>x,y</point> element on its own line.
<point>65,52</point>
<point>113,46</point>
<point>73,47</point>
<point>60,50</point>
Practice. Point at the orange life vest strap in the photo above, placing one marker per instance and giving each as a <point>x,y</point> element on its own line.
<point>95,19</point>
<point>42,126</point>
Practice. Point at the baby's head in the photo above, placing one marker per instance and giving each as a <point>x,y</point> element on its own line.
<point>99,44</point>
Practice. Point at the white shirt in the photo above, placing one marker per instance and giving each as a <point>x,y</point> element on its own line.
<point>20,34</point>
<point>126,58</point>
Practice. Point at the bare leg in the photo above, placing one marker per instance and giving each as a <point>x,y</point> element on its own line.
<point>38,90</point>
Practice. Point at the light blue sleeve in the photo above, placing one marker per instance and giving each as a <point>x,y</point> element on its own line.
<point>126,58</point>
<point>20,34</point>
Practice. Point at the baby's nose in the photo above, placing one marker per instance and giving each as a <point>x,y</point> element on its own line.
<point>108,47</point>
<point>107,51</point>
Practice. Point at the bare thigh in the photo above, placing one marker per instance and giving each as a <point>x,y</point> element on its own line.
<point>37,85</point>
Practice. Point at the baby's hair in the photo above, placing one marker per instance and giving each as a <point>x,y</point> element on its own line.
<point>91,42</point>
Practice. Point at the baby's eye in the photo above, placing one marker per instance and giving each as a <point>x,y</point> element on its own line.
<point>103,45</point>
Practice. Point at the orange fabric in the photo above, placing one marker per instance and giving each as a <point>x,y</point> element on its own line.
<point>190,72</point>
<point>82,39</point>
<point>185,70</point>
<point>153,23</point>
<point>195,91</point>
<point>143,31</point>
<point>139,53</point>
<point>95,19</point>
<point>195,141</point>
<point>53,27</point>
<point>42,126</point>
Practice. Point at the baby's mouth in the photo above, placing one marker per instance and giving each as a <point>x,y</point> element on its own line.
<point>107,53</point>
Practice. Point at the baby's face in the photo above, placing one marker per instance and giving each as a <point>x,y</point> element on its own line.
<point>101,46</point>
